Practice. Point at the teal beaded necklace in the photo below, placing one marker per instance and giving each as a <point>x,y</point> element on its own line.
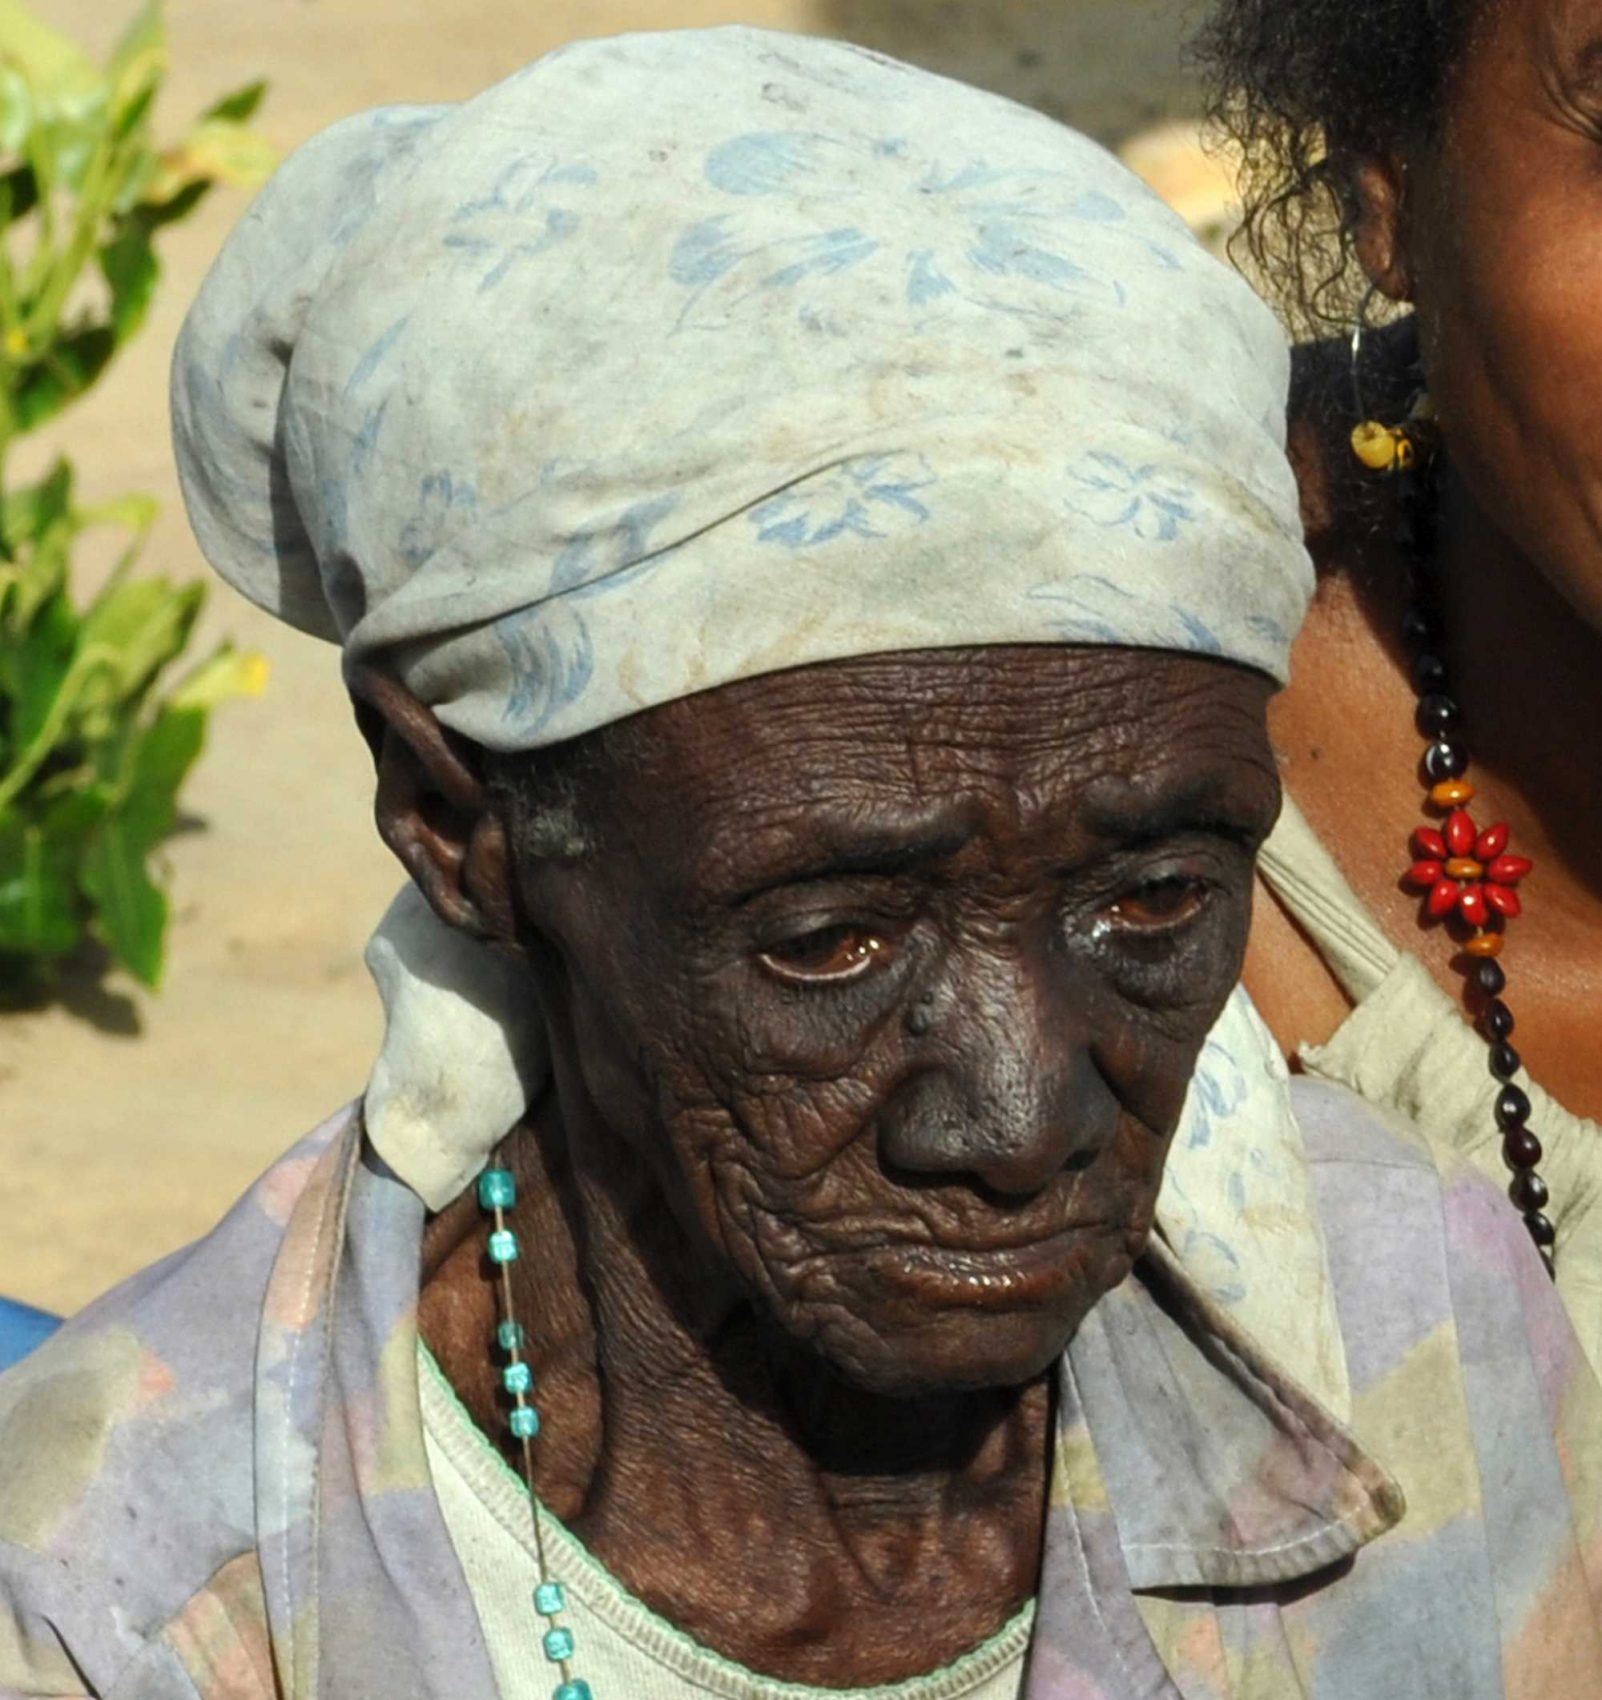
<point>497,1193</point>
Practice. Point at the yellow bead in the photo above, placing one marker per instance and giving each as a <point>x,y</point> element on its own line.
<point>1452,794</point>
<point>1486,944</point>
<point>1406,454</point>
<point>1465,868</point>
<point>1375,445</point>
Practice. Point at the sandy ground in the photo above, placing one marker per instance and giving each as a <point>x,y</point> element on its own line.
<point>128,1122</point>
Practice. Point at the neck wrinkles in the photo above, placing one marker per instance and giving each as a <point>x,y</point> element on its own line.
<point>716,1468</point>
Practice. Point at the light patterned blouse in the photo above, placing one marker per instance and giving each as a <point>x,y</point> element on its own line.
<point>214,1483</point>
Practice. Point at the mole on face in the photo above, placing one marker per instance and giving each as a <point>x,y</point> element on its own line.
<point>920,1016</point>
<point>893,973</point>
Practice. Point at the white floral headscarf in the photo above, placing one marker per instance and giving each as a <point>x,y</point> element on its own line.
<point>678,358</point>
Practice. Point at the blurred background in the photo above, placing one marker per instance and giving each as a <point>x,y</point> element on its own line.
<point>129,1121</point>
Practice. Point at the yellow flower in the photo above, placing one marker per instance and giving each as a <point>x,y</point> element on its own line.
<point>254,672</point>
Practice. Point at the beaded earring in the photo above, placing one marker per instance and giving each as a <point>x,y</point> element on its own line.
<point>1466,875</point>
<point>497,1193</point>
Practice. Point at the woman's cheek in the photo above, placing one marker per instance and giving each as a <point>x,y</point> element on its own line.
<point>1508,274</point>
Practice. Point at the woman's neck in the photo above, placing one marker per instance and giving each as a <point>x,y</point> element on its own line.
<point>723,1474</point>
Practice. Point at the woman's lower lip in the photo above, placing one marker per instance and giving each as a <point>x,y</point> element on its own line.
<point>1006,1278</point>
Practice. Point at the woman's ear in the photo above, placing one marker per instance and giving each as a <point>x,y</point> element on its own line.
<point>433,810</point>
<point>1378,186</point>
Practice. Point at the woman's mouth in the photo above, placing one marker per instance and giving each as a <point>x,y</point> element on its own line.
<point>1001,1277</point>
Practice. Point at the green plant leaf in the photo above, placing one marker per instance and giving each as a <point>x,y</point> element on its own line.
<point>66,822</point>
<point>136,67</point>
<point>133,630</point>
<point>36,530</point>
<point>63,145</point>
<point>27,512</point>
<point>145,33</point>
<point>19,188</point>
<point>16,108</point>
<point>57,71</point>
<point>38,905</point>
<point>162,758</point>
<point>131,269</point>
<point>133,511</point>
<point>130,910</point>
<point>240,106</point>
<point>214,152</point>
<point>174,206</point>
<point>64,373</point>
<point>32,583</point>
<point>36,663</point>
<point>138,172</point>
<point>132,112</point>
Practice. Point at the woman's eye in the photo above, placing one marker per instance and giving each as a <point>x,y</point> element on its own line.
<point>1159,905</point>
<point>830,953</point>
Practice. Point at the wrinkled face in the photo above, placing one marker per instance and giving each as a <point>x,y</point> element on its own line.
<point>1506,254</point>
<point>892,973</point>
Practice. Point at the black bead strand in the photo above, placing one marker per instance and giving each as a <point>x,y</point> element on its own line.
<point>1445,759</point>
<point>1439,716</point>
<point>1505,1061</point>
<point>1520,1148</point>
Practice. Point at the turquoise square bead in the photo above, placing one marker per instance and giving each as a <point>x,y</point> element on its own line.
<point>576,1690</point>
<point>524,1422</point>
<point>549,1599</point>
<point>497,1190</point>
<point>559,1644</point>
<point>517,1378</point>
<point>503,1246</point>
<point>509,1336</point>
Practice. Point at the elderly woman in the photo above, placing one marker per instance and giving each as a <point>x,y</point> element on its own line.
<point>811,564</point>
<point>1442,156</point>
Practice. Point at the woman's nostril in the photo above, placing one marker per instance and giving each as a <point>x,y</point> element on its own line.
<point>1020,1175</point>
<point>918,1152</point>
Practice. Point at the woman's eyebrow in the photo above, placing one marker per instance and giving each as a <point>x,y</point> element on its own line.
<point>866,853</point>
<point>1207,803</point>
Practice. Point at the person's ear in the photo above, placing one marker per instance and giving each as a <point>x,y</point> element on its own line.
<point>1378,187</point>
<point>433,810</point>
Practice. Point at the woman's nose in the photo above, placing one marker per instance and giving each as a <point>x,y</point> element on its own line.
<point>1013,1094</point>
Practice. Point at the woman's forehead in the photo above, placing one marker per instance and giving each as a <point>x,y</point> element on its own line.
<point>910,755</point>
<point>1023,695</point>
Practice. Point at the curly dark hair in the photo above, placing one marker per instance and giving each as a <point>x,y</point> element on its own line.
<point>1302,87</point>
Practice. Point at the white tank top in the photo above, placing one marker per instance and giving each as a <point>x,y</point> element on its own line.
<point>625,1651</point>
